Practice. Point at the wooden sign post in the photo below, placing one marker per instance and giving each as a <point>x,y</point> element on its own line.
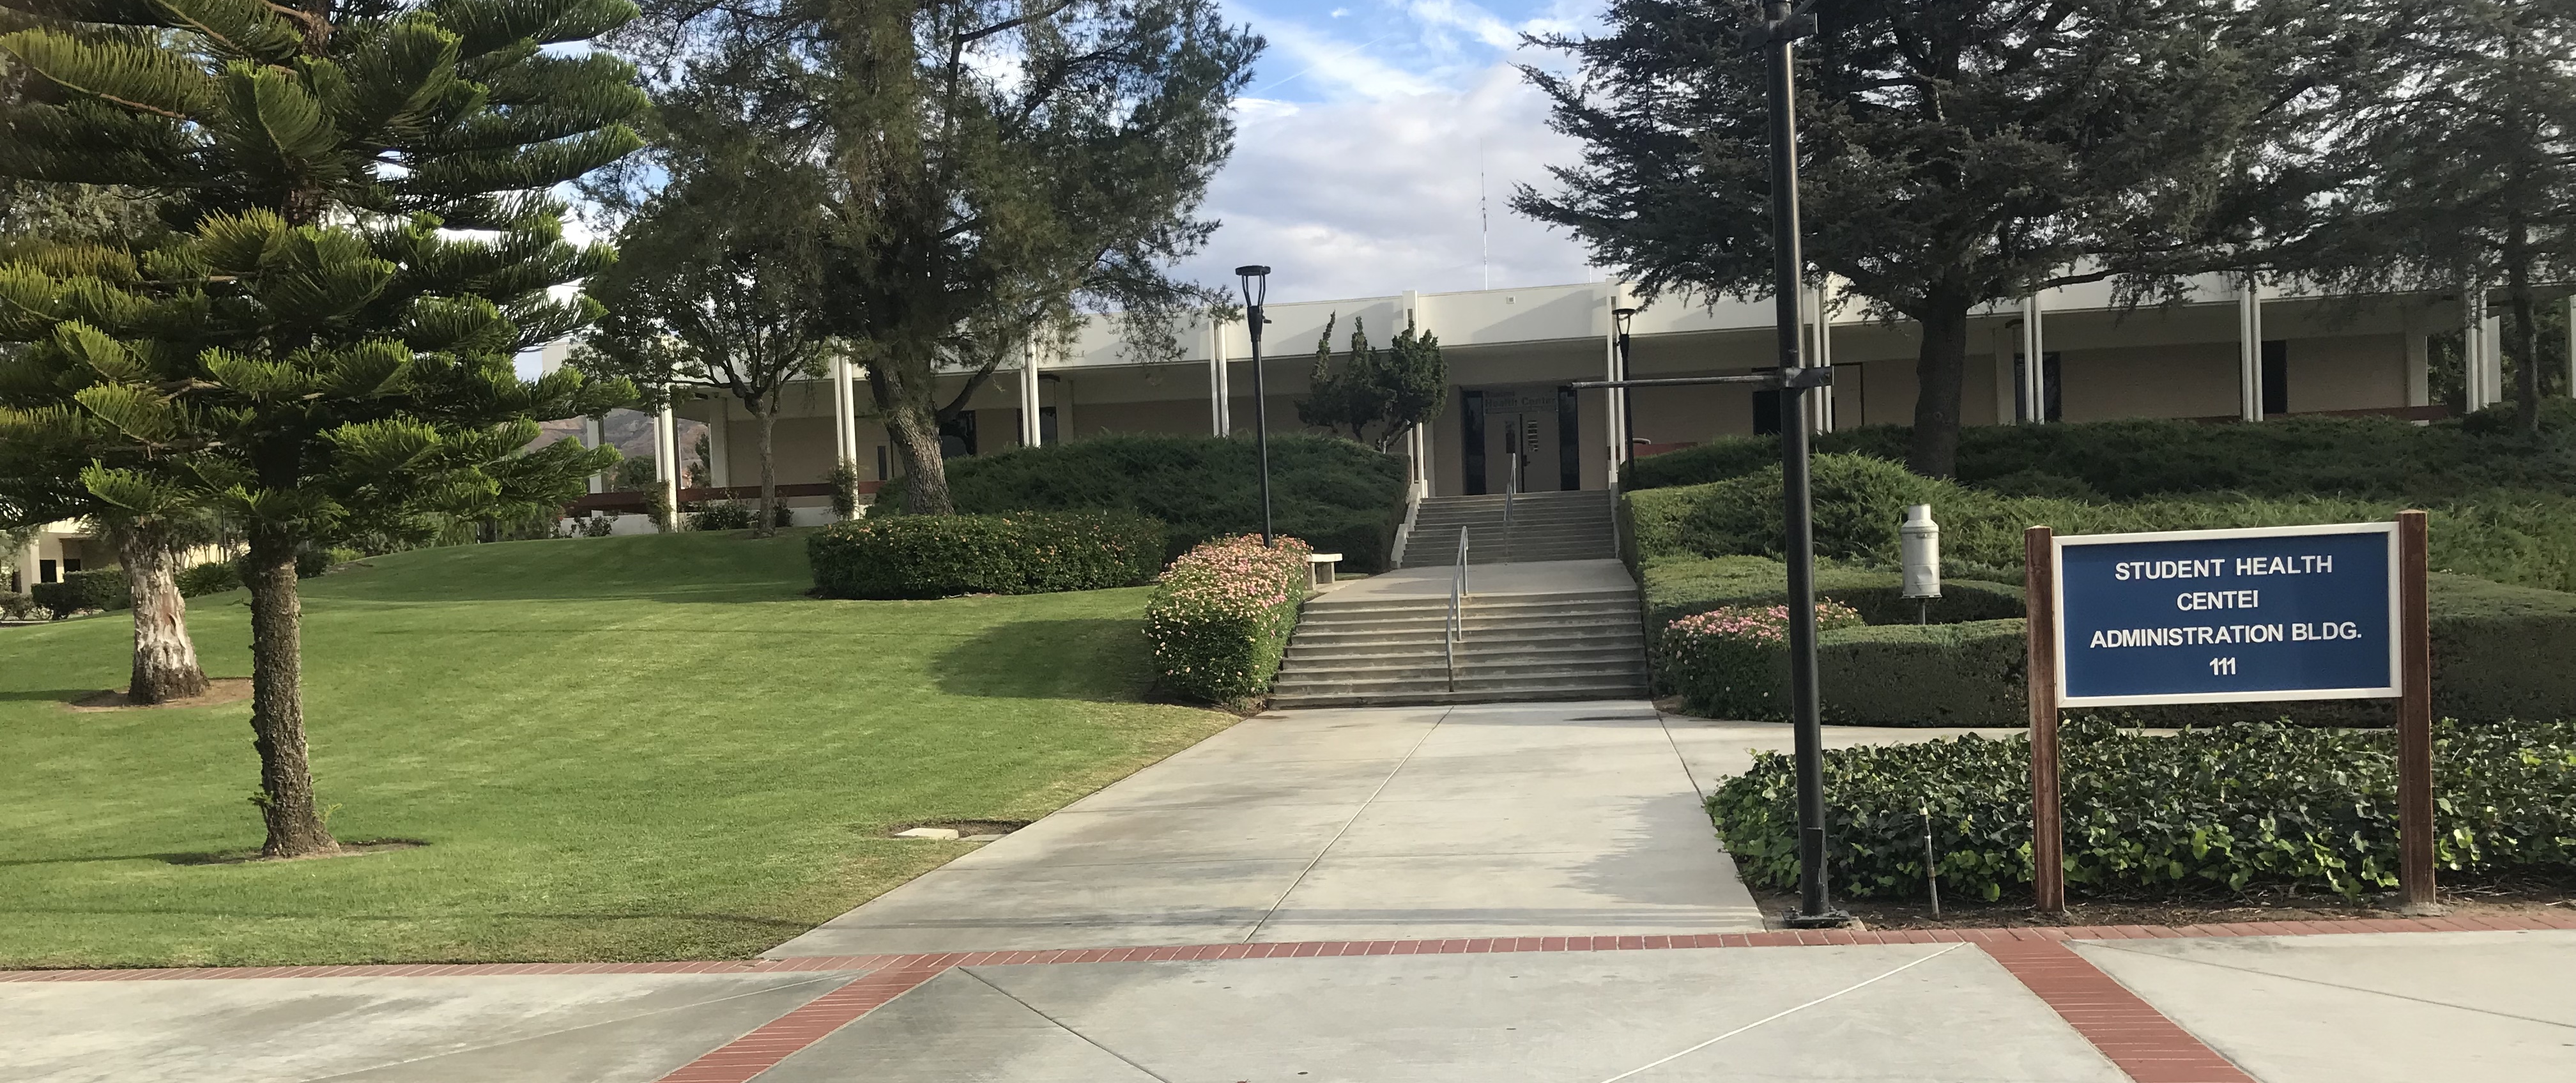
<point>2231,616</point>
<point>2047,819</point>
<point>2414,722</point>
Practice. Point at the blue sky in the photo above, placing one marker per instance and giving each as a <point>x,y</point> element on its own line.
<point>1356,166</point>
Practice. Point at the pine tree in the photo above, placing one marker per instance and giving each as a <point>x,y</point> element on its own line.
<point>361,242</point>
<point>1392,390</point>
<point>1952,154</point>
<point>2459,167</point>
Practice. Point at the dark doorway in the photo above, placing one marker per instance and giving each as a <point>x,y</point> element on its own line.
<point>1471,461</point>
<point>1766,412</point>
<point>1569,449</point>
<point>2276,377</point>
<point>2054,409</point>
<point>1046,426</point>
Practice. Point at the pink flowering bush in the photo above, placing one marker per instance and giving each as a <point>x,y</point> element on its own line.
<point>1221,614</point>
<point>1732,662</point>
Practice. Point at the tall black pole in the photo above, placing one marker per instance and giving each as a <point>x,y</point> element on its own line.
<point>1787,271</point>
<point>1256,289</point>
<point>1627,405</point>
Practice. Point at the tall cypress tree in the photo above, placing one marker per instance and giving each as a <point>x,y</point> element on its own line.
<point>361,242</point>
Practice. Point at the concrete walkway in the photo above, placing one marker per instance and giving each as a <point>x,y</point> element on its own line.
<point>1361,824</point>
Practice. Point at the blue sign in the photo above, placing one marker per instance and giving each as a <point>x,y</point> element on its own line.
<point>2205,616</point>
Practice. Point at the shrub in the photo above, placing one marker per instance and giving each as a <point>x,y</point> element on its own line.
<point>936,556</point>
<point>22,607</point>
<point>2374,458</point>
<point>725,515</point>
<point>1339,496</point>
<point>98,588</point>
<point>2249,805</point>
<point>1722,661</point>
<point>1221,616</point>
<point>214,577</point>
<point>2510,537</point>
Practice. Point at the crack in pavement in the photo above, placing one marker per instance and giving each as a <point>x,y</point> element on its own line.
<point>2330,985</point>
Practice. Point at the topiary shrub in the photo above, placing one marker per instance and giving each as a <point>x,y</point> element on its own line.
<point>1340,496</point>
<point>938,556</point>
<point>725,515</point>
<point>1221,615</point>
<point>1723,662</point>
<point>99,588</point>
<point>2225,809</point>
<point>214,577</point>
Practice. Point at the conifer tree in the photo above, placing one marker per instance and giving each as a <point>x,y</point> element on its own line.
<point>361,242</point>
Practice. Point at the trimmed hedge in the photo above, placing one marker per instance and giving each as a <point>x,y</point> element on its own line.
<point>98,588</point>
<point>2250,805</point>
<point>1723,661</point>
<point>2522,538</point>
<point>1221,616</point>
<point>1340,496</point>
<point>2367,457</point>
<point>2498,652</point>
<point>937,556</point>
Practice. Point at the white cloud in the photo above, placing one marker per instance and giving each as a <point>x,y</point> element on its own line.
<point>1369,197</point>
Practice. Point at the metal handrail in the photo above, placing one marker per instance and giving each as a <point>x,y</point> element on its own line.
<point>1511,493</point>
<point>1457,630</point>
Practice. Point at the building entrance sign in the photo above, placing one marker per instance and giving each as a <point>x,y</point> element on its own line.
<point>2232,616</point>
<point>2212,616</point>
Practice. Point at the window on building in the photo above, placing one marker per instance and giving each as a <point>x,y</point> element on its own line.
<point>71,564</point>
<point>885,466</point>
<point>957,435</point>
<point>1766,412</point>
<point>1047,433</point>
<point>48,572</point>
<point>1471,433</point>
<point>1569,446</point>
<point>2050,372</point>
<point>2276,377</point>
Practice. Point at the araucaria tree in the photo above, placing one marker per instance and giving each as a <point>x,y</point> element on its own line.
<point>1953,153</point>
<point>1393,390</point>
<point>994,169</point>
<point>361,244</point>
<point>46,441</point>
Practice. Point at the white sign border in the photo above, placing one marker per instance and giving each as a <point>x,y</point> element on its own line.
<point>2396,615</point>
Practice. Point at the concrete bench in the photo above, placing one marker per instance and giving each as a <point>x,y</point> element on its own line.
<point>1319,568</point>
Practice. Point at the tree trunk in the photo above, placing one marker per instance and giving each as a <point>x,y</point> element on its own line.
<point>285,796</point>
<point>165,662</point>
<point>925,476</point>
<point>2526,332</point>
<point>768,525</point>
<point>1940,373</point>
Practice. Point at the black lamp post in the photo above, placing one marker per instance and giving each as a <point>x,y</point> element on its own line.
<point>1777,34</point>
<point>1627,406</point>
<point>1256,289</point>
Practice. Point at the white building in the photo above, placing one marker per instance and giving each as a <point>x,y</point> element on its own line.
<point>2221,354</point>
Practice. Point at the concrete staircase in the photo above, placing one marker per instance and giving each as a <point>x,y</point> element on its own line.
<point>1544,526</point>
<point>1549,631</point>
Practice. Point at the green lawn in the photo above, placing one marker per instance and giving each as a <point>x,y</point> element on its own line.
<point>622,748</point>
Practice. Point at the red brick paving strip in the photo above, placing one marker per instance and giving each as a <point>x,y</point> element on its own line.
<point>1308,949</point>
<point>2131,1032</point>
<point>739,1060</point>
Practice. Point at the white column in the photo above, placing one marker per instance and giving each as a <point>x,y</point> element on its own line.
<point>1029,431</point>
<point>719,439</point>
<point>2473,346</point>
<point>839,378</point>
<point>592,437</point>
<point>2249,348</point>
<point>667,433</point>
<point>2034,366</point>
<point>1615,437</point>
<point>1218,422</point>
<point>1820,404</point>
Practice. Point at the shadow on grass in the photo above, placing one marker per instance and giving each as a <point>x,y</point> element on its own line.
<point>1099,659</point>
<point>59,695</point>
